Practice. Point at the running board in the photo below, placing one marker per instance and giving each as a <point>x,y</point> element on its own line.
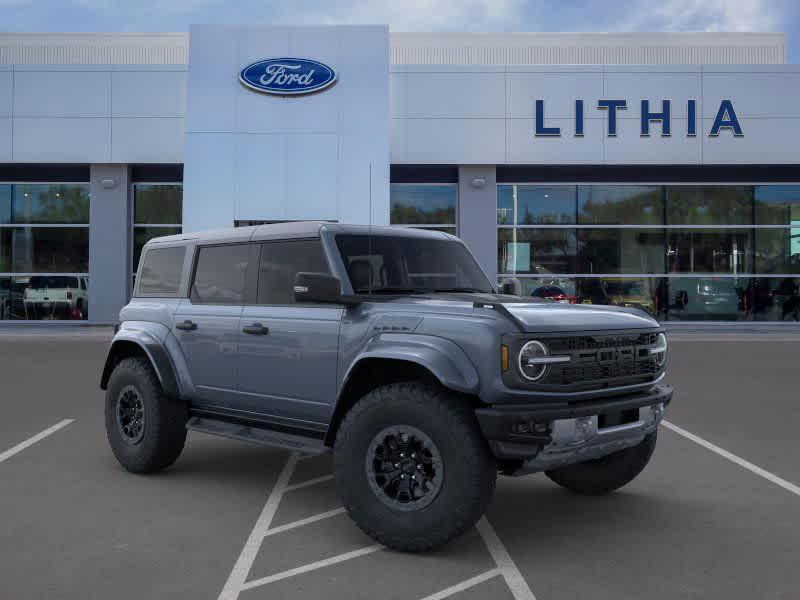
<point>257,435</point>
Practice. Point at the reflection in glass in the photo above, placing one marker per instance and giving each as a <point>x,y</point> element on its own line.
<point>44,297</point>
<point>535,204</point>
<point>621,204</point>
<point>709,251</point>
<point>44,249</point>
<point>538,251</point>
<point>422,204</point>
<point>777,205</point>
<point>160,204</point>
<point>709,205</point>
<point>778,250</point>
<point>549,289</point>
<point>621,251</point>
<point>641,293</point>
<point>46,203</point>
<point>707,299</point>
<point>776,299</point>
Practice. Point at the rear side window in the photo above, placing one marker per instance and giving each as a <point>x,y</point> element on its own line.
<point>281,261</point>
<point>220,274</point>
<point>161,271</point>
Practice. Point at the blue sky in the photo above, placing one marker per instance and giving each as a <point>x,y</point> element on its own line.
<point>414,15</point>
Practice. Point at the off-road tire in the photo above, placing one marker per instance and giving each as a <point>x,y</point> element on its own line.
<point>164,430</point>
<point>604,475</point>
<point>469,469</point>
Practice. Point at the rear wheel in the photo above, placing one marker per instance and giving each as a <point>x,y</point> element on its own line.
<point>411,466</point>
<point>606,474</point>
<point>145,428</point>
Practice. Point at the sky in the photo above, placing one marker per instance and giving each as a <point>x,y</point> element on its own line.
<point>413,15</point>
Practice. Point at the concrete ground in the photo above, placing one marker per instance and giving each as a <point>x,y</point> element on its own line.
<point>715,515</point>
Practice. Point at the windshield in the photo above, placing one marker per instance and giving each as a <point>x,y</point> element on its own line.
<point>39,282</point>
<point>383,264</point>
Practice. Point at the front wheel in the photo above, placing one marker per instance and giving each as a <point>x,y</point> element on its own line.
<point>145,428</point>
<point>606,474</point>
<point>411,466</point>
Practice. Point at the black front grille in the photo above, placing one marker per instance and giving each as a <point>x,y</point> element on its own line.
<point>600,359</point>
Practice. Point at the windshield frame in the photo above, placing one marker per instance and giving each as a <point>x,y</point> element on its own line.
<point>481,284</point>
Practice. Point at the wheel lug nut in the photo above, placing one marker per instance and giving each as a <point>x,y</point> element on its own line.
<point>396,465</point>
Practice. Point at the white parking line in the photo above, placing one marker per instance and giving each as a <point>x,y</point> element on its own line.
<point>312,566</point>
<point>303,484</point>
<point>508,569</point>
<point>32,440</point>
<point>306,521</point>
<point>464,585</point>
<point>771,477</point>
<point>235,584</point>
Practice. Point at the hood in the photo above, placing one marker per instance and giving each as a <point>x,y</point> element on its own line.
<point>544,317</point>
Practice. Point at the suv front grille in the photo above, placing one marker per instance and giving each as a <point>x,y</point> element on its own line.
<point>600,359</point>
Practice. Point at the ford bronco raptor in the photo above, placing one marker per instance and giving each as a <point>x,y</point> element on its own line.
<point>390,348</point>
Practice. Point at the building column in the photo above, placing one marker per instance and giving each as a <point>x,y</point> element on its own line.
<point>477,214</point>
<point>109,242</point>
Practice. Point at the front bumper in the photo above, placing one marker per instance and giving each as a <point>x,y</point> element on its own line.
<point>544,436</point>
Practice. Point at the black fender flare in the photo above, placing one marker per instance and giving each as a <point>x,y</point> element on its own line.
<point>152,348</point>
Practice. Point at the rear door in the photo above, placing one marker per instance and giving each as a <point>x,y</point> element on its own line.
<point>207,323</point>
<point>288,351</point>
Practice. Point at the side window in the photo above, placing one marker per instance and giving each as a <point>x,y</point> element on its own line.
<point>161,272</point>
<point>281,261</point>
<point>220,274</point>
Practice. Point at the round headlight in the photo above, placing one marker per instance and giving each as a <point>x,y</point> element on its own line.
<point>660,349</point>
<point>529,367</point>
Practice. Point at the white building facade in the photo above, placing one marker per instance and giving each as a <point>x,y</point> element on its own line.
<point>652,170</point>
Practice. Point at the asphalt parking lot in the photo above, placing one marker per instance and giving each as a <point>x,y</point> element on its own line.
<point>715,515</point>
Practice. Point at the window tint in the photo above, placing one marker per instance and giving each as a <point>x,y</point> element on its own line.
<point>280,262</point>
<point>220,274</point>
<point>161,272</point>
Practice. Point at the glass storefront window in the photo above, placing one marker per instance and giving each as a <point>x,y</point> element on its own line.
<point>536,204</point>
<point>423,204</point>
<point>710,251</point>
<point>778,250</point>
<point>708,299</point>
<point>44,251</point>
<point>538,251</point>
<point>610,251</point>
<point>620,204</point>
<point>709,205</point>
<point>157,211</point>
<point>778,205</point>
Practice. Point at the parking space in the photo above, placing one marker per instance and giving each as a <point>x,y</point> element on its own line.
<point>236,520</point>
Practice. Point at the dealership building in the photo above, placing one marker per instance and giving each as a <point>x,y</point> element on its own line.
<point>652,170</point>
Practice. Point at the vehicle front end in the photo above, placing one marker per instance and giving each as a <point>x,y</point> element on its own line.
<point>579,394</point>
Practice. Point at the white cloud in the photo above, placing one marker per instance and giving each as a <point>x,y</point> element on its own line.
<point>704,15</point>
<point>416,15</point>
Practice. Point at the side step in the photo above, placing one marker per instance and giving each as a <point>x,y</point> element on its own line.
<point>257,435</point>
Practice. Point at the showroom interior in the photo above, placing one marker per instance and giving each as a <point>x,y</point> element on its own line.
<point>670,224</point>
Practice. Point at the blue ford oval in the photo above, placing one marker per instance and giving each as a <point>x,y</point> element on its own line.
<point>287,76</point>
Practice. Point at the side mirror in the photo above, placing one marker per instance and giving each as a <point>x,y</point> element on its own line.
<point>317,287</point>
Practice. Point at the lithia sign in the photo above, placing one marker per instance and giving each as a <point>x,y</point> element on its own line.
<point>725,120</point>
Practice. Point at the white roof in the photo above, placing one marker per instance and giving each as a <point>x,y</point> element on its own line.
<point>528,48</point>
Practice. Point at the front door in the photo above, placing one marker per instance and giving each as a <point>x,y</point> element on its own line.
<point>288,352</point>
<point>207,323</point>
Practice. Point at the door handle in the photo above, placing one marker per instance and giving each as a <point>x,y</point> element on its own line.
<point>187,325</point>
<point>256,329</point>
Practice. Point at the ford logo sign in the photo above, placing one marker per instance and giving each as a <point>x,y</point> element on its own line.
<point>287,76</point>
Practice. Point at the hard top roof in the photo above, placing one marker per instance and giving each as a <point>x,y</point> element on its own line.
<point>290,230</point>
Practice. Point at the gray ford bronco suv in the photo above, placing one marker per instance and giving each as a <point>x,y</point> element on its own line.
<point>390,348</point>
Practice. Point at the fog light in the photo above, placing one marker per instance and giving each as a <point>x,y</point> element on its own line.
<point>520,428</point>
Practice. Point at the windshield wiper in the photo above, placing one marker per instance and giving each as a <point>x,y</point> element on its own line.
<point>466,290</point>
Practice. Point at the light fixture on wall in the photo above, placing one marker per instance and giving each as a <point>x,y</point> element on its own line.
<point>478,182</point>
<point>108,183</point>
